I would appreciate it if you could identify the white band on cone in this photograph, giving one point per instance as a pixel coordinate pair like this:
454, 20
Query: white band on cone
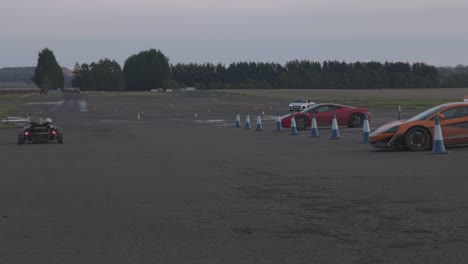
437, 133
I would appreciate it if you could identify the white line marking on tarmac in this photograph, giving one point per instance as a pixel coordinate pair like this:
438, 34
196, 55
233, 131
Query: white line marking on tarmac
210, 121
114, 120
43, 103
14, 119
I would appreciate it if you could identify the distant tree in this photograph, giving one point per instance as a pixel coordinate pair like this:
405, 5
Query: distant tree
48, 73
453, 76
77, 76
146, 70
105, 75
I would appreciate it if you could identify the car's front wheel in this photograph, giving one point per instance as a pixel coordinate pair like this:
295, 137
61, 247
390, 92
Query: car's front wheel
356, 120
302, 122
417, 139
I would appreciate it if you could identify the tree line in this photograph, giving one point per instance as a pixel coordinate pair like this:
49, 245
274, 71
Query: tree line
151, 69
308, 75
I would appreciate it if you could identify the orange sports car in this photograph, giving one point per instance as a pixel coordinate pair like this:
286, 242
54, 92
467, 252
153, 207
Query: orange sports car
417, 132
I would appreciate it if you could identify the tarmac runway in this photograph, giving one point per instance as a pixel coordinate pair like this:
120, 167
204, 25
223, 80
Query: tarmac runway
171, 188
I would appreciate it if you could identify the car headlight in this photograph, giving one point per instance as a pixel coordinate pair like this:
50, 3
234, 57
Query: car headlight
392, 130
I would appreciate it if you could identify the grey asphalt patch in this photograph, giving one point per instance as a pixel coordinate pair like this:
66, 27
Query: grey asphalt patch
114, 121
175, 191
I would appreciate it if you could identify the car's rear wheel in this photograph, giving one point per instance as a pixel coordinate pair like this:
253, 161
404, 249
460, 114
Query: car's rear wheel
356, 120
21, 139
417, 139
302, 122
59, 138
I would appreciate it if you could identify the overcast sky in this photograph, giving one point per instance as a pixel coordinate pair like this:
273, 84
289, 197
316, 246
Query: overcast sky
226, 31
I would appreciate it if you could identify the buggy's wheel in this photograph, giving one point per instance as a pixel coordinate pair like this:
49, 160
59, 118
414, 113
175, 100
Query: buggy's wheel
59, 138
21, 139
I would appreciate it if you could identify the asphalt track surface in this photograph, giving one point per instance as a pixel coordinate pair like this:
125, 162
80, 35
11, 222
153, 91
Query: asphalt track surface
174, 189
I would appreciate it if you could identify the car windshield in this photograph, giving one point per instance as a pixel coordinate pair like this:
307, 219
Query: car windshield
312, 108
424, 115
299, 101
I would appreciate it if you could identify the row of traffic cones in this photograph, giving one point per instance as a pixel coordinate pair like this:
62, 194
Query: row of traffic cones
437, 146
314, 129
247, 122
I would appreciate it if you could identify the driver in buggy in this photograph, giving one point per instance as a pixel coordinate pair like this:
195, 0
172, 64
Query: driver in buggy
48, 122
41, 122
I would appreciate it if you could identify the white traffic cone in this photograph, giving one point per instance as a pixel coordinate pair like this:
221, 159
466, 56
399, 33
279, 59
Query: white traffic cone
195, 115
29, 120
314, 130
399, 112
365, 130
138, 116
279, 128
237, 120
293, 126
247, 121
335, 133
438, 144
259, 123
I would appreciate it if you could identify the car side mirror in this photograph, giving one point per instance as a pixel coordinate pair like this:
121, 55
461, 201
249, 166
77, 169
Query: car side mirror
441, 116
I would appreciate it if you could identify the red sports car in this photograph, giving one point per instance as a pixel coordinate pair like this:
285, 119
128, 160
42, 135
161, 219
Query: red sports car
345, 116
